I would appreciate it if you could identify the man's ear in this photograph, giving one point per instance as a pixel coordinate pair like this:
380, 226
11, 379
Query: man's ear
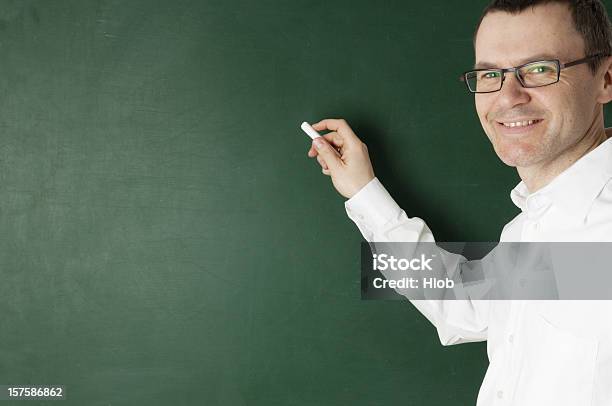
605, 93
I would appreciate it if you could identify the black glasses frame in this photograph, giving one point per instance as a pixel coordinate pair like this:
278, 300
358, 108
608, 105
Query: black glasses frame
515, 69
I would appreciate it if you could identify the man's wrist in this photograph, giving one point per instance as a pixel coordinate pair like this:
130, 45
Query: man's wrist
374, 203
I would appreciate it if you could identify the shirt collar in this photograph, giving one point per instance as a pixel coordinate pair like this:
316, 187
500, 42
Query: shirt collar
574, 189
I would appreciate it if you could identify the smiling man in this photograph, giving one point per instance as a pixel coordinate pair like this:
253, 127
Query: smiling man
564, 120
543, 72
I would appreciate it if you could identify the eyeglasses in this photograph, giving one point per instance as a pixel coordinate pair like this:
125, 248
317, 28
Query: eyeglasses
531, 74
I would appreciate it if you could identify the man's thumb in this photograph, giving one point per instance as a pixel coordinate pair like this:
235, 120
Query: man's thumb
329, 155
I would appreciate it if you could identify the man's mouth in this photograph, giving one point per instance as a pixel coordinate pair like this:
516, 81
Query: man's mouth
519, 126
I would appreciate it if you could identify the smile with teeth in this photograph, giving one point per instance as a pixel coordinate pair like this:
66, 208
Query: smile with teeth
520, 123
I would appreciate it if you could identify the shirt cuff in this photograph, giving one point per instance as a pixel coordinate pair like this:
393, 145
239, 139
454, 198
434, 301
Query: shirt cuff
372, 203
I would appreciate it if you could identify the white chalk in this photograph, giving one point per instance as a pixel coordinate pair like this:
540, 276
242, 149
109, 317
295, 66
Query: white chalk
312, 133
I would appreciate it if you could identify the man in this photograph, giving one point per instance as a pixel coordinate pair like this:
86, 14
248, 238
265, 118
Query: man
546, 119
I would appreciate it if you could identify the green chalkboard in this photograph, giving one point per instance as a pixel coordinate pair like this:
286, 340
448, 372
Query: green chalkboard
166, 241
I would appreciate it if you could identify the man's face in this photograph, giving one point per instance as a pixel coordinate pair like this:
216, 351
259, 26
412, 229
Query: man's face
562, 112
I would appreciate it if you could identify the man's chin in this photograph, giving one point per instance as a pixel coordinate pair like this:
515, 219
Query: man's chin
518, 150
516, 155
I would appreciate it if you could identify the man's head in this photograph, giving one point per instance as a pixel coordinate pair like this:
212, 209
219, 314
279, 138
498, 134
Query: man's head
564, 114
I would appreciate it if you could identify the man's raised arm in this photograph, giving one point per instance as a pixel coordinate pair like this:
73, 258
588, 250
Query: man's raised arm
380, 219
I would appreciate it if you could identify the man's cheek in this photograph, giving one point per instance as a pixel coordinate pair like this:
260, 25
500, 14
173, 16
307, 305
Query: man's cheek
482, 111
486, 126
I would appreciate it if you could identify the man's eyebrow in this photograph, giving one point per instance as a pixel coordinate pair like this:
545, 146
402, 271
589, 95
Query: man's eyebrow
533, 58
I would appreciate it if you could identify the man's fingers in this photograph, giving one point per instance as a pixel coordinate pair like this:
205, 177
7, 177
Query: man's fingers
322, 162
335, 139
332, 124
339, 126
327, 153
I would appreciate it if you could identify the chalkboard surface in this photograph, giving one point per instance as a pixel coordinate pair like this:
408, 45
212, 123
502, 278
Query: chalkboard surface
166, 241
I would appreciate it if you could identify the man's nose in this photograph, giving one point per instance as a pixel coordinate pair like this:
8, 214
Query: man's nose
512, 92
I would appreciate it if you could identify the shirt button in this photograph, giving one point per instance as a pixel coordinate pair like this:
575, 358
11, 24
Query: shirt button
536, 225
360, 217
511, 338
500, 394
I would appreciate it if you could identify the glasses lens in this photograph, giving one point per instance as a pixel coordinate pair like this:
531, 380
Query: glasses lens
539, 73
484, 80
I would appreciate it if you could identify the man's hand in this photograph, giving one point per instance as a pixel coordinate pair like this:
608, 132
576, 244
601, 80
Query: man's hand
350, 171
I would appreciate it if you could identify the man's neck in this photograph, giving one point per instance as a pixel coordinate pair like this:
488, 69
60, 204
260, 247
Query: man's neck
538, 176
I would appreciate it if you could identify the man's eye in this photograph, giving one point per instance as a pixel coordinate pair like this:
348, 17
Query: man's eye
539, 69
490, 75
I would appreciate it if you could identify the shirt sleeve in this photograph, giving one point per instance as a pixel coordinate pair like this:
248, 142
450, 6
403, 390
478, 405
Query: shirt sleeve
380, 219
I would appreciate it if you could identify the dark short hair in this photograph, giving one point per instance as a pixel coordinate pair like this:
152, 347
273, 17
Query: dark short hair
590, 20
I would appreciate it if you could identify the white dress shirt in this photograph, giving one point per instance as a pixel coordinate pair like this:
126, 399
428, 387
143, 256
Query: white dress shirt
541, 353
